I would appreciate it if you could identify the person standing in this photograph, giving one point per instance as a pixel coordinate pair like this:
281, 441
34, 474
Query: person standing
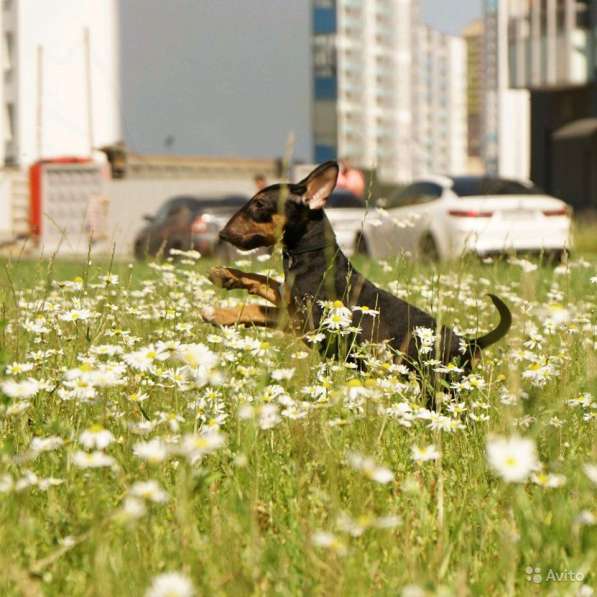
351, 179
260, 182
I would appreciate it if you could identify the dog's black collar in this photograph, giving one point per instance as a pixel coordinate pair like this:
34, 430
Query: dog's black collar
289, 255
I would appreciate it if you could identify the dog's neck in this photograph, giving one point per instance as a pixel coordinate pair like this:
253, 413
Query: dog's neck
313, 238
311, 232
314, 264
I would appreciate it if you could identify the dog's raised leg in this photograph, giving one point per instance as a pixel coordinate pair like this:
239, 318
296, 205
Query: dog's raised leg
256, 284
249, 314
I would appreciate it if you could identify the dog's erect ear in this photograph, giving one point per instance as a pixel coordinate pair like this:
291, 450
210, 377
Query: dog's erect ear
320, 184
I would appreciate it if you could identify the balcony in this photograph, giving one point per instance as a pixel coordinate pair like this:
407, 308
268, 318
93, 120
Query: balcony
552, 49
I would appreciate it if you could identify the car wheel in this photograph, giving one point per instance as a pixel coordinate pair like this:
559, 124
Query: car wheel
556, 257
428, 249
175, 245
361, 247
139, 251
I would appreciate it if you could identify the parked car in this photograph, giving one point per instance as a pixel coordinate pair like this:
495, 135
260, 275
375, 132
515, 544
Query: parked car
442, 218
187, 222
346, 213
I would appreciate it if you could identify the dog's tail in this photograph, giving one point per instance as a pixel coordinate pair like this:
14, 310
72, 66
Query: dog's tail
496, 334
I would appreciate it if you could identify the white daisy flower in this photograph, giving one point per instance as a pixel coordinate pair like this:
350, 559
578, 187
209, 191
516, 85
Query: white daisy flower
591, 472
133, 508
425, 454
171, 584
153, 451
45, 444
369, 468
548, 480
512, 458
20, 389
95, 459
194, 446
280, 374
330, 541
96, 437
149, 490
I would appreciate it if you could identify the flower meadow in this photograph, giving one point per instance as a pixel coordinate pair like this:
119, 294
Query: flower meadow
144, 451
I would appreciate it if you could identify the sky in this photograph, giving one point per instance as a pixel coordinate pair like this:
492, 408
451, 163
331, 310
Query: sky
450, 16
227, 77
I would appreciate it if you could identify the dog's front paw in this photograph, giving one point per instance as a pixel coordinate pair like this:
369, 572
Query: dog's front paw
216, 316
223, 277
208, 314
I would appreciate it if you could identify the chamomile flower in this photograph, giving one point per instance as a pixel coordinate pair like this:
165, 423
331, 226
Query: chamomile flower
366, 311
20, 389
145, 359
425, 454
76, 315
171, 584
45, 444
329, 541
548, 480
280, 374
150, 491
512, 458
133, 508
369, 468
96, 459
153, 451
18, 368
337, 318
96, 437
591, 472
196, 445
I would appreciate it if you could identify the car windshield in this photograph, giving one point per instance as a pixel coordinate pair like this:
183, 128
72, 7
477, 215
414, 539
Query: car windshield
228, 202
199, 204
470, 186
345, 199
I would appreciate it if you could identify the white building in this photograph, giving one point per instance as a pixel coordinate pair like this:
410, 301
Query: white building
551, 43
439, 104
389, 93
363, 84
60, 87
506, 112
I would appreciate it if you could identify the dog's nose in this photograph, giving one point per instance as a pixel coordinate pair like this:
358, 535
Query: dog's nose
224, 235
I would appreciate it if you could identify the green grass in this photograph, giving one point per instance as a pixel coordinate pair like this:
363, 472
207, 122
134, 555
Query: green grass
242, 519
585, 237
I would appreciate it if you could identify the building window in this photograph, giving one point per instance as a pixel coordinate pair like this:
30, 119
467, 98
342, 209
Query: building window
8, 50
583, 17
9, 122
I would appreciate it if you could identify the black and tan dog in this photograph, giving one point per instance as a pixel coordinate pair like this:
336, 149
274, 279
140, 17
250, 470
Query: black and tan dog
315, 270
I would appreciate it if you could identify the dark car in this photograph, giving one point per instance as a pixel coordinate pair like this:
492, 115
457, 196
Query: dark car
186, 222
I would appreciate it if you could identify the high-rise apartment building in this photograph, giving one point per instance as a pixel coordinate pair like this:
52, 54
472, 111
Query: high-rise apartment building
373, 65
59, 92
505, 116
362, 57
439, 104
475, 89
553, 53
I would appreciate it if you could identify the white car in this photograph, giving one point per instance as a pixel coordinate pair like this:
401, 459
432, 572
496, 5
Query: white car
446, 217
347, 214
